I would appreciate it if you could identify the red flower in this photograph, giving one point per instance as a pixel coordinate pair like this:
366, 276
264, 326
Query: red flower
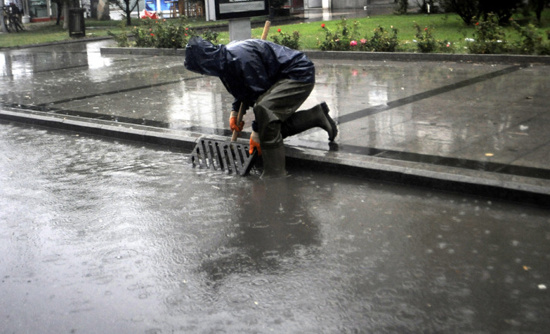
477, 23
152, 34
322, 25
425, 29
353, 43
279, 30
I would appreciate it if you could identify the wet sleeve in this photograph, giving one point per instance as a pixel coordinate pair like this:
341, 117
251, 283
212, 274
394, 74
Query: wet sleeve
237, 105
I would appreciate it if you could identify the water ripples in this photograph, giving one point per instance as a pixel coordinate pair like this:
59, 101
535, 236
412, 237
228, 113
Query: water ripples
124, 228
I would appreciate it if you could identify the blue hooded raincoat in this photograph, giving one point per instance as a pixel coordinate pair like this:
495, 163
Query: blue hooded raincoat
248, 68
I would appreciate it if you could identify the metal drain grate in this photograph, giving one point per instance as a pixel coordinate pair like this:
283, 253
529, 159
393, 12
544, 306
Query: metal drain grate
230, 157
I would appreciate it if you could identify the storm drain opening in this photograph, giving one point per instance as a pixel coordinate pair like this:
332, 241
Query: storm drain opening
229, 157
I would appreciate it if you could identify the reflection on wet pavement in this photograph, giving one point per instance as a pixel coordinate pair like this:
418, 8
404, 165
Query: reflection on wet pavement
475, 116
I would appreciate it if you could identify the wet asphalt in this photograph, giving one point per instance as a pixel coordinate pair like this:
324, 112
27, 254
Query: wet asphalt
111, 236
102, 234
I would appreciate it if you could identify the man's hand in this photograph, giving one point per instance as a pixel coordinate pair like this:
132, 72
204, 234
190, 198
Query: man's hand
233, 122
255, 143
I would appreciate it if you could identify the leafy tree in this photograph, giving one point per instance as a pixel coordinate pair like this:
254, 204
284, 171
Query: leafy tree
402, 6
503, 9
127, 6
2, 23
538, 7
467, 9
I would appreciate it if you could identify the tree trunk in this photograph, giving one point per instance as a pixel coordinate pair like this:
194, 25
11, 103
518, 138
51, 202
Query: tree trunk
128, 18
66, 4
3, 27
539, 8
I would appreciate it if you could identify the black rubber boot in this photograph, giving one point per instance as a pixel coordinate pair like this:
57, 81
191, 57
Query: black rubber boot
307, 119
274, 161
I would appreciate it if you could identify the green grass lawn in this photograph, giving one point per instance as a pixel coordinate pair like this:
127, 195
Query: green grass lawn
444, 26
47, 32
449, 27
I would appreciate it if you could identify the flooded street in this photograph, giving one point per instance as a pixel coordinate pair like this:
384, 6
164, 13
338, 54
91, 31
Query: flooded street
105, 236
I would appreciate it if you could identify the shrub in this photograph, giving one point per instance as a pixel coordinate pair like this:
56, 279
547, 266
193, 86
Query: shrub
489, 37
346, 39
161, 34
339, 40
211, 36
426, 43
383, 40
121, 38
171, 35
143, 37
424, 39
531, 42
291, 41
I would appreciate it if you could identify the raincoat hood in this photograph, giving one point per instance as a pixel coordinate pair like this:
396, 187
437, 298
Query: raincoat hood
248, 68
204, 57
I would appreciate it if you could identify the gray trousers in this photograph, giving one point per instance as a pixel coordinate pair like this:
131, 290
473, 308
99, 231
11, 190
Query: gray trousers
275, 106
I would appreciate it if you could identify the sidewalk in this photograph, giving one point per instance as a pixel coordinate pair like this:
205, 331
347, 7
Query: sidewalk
454, 123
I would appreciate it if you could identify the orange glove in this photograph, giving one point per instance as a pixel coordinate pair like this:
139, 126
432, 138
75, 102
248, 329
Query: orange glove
233, 122
255, 143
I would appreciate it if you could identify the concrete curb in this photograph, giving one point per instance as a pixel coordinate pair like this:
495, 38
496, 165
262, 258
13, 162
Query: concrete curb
435, 57
512, 187
142, 51
70, 41
181, 139
367, 56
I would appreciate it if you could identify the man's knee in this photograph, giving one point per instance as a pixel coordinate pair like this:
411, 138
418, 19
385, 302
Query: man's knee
269, 125
270, 135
